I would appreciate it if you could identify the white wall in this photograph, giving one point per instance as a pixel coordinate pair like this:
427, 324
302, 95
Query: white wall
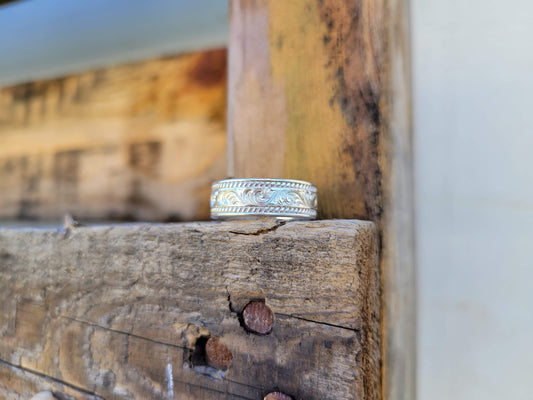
473, 78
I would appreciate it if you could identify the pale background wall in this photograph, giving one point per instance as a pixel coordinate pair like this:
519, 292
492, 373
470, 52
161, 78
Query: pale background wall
473, 79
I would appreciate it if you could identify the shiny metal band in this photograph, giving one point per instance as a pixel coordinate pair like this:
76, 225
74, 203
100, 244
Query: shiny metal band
248, 198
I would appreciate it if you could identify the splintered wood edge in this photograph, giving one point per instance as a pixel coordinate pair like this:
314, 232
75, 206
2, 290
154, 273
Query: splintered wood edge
356, 240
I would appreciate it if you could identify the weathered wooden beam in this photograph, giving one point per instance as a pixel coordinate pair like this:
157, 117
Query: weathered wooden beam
128, 311
140, 141
320, 90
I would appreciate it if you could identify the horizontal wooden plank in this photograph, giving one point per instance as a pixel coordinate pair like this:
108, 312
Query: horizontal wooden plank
141, 141
124, 311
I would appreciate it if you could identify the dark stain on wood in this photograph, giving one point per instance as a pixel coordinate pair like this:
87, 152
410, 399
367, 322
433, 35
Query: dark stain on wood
210, 69
136, 198
144, 157
28, 172
31, 174
358, 94
197, 356
66, 166
355, 56
66, 174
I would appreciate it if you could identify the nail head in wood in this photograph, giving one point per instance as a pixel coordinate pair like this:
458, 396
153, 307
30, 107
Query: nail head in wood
217, 355
258, 318
277, 396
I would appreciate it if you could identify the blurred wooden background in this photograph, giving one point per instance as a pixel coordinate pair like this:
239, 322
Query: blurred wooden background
140, 141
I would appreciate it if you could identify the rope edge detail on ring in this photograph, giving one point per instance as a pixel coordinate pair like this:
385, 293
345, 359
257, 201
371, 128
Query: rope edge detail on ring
238, 183
263, 210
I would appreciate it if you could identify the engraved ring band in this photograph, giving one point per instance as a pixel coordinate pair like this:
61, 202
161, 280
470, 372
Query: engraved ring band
284, 199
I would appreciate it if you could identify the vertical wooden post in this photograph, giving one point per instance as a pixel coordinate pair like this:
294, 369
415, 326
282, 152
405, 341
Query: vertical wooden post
320, 90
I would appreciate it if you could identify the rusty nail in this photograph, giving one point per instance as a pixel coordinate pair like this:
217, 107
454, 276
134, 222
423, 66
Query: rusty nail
258, 318
218, 356
277, 396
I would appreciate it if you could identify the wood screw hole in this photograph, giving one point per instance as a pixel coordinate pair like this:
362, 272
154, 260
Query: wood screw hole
209, 352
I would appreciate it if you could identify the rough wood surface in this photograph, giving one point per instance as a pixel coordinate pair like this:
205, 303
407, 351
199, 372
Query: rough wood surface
20, 384
126, 311
320, 90
139, 141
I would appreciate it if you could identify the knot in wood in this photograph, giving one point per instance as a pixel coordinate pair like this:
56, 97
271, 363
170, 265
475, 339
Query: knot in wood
277, 396
218, 356
258, 318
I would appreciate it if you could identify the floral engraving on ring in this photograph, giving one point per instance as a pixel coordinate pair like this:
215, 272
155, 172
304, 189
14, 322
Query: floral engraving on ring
261, 197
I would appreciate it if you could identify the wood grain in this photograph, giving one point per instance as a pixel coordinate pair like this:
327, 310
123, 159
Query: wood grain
20, 384
140, 141
320, 91
125, 312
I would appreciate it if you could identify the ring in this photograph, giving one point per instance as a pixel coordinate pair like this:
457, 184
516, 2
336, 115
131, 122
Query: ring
285, 199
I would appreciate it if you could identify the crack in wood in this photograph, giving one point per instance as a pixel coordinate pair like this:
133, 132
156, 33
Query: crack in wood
318, 322
91, 324
260, 231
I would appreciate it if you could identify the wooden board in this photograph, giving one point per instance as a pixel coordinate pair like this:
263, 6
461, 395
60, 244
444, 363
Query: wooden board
132, 142
20, 384
320, 91
122, 312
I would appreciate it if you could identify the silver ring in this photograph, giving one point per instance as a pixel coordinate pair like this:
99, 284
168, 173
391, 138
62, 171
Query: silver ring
284, 199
